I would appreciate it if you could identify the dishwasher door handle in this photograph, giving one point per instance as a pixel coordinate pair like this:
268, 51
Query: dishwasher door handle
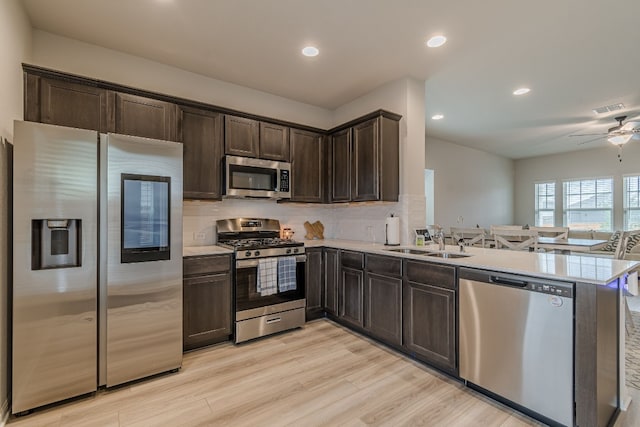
509, 282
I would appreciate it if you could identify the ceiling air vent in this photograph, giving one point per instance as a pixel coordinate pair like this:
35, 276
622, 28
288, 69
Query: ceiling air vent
608, 108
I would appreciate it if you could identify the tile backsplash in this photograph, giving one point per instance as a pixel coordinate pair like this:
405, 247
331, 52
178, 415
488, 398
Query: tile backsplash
354, 221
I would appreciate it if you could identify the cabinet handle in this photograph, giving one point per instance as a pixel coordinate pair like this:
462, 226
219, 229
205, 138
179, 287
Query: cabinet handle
274, 320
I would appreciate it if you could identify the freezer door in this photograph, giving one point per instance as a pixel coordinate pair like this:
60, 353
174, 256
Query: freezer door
144, 291
54, 306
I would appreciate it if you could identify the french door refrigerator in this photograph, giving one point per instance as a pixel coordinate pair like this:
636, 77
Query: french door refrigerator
97, 287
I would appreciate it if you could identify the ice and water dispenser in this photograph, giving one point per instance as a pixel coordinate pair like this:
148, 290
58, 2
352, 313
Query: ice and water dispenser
55, 243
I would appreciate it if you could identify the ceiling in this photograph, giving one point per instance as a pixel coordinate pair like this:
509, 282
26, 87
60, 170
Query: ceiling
575, 55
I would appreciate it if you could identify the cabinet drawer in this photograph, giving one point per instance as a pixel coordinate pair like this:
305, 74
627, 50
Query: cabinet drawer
352, 259
384, 265
431, 274
198, 265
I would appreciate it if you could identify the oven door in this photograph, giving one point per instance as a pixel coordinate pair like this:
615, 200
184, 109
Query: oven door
247, 295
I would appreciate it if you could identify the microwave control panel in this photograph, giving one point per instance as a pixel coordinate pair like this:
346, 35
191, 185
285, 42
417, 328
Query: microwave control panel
284, 181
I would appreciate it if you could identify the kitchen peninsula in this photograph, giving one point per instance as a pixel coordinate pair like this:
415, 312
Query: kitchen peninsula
411, 301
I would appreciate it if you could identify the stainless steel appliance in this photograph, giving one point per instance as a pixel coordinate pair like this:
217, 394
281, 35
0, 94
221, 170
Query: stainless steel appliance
97, 286
255, 242
257, 178
516, 340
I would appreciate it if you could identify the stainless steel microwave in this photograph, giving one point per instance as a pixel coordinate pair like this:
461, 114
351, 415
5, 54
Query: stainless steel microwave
248, 177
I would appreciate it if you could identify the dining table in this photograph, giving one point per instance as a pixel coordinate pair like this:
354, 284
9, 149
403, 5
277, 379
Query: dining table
569, 245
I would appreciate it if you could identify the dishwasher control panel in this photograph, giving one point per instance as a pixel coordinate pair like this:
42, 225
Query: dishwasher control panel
561, 291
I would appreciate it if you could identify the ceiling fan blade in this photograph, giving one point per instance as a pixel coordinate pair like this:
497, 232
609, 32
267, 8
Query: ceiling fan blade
630, 126
588, 134
591, 140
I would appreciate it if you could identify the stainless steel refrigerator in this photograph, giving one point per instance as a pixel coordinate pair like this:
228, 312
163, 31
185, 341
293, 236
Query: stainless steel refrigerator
97, 286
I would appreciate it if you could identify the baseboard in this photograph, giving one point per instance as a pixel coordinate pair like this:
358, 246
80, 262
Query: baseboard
4, 413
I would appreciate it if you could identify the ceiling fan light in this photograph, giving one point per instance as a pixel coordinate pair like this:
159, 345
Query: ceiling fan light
620, 139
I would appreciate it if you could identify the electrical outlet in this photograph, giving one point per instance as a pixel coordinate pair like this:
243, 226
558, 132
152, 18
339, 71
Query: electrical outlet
199, 235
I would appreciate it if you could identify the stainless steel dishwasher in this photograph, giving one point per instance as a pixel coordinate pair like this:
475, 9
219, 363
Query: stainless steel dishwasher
516, 340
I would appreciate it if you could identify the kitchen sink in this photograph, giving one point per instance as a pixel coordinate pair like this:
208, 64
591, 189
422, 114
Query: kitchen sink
409, 251
428, 253
446, 255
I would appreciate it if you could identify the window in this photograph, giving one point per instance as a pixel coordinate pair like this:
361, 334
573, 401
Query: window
588, 204
632, 202
545, 204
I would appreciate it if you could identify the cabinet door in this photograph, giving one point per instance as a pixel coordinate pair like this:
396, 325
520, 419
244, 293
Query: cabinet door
365, 184
73, 105
241, 136
429, 324
140, 116
331, 280
341, 166
207, 310
313, 281
307, 160
351, 295
201, 135
383, 307
274, 142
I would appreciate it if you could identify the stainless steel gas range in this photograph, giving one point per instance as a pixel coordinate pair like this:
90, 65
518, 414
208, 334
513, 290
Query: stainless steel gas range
269, 277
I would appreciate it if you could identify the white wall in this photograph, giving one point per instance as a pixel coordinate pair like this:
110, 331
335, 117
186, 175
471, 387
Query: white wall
470, 183
72, 56
15, 45
405, 97
597, 162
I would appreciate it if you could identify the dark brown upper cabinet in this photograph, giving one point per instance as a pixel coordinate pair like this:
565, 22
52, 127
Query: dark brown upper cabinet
365, 160
62, 103
340, 159
201, 134
241, 136
141, 116
307, 166
274, 142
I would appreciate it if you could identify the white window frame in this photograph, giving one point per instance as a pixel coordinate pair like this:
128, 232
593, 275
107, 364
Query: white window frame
537, 202
625, 204
565, 197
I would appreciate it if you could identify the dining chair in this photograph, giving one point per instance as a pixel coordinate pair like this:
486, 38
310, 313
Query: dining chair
556, 232
517, 240
470, 236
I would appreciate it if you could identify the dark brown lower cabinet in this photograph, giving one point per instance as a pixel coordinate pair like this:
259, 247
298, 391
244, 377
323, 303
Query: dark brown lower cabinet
331, 280
314, 283
206, 301
350, 296
383, 307
429, 324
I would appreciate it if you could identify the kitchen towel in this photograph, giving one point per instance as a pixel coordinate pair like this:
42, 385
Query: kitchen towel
267, 283
393, 230
287, 273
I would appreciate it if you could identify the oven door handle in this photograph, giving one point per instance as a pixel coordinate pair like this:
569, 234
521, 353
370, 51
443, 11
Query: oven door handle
247, 263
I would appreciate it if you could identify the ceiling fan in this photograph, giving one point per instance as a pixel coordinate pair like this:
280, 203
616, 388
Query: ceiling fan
617, 135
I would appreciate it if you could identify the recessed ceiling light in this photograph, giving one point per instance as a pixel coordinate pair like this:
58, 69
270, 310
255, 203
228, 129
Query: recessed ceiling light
437, 117
521, 91
310, 51
436, 41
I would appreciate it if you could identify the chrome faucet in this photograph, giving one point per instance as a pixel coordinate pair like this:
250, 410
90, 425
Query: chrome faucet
438, 236
462, 244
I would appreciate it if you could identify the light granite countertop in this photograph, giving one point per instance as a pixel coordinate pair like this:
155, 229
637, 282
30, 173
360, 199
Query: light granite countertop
575, 268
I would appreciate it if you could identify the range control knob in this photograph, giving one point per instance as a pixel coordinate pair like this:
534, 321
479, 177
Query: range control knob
295, 251
247, 254
288, 251
257, 253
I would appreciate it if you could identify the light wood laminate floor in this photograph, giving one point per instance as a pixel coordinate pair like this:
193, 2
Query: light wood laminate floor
321, 375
